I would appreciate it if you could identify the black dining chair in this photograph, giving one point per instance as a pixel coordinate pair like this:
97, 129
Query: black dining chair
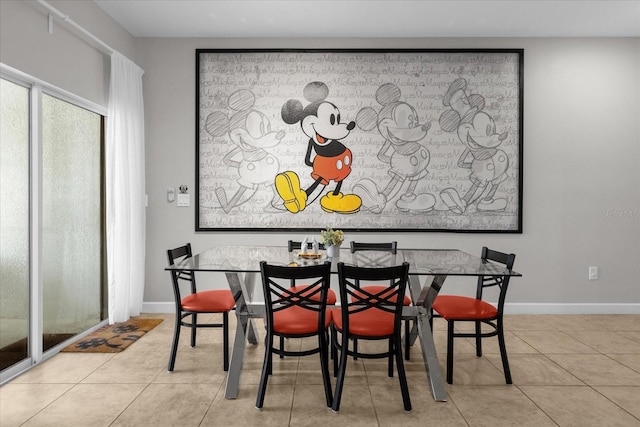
458, 308
194, 303
296, 314
369, 314
296, 287
391, 247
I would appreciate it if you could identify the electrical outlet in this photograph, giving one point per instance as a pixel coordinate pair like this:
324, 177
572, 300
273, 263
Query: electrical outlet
593, 273
171, 194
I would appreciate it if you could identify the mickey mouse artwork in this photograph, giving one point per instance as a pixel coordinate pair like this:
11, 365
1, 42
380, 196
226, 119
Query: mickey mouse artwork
322, 123
404, 152
361, 140
250, 131
488, 164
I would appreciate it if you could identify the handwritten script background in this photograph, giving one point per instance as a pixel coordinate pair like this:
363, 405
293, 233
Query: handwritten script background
353, 78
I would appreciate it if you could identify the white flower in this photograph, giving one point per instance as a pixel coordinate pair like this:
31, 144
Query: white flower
332, 237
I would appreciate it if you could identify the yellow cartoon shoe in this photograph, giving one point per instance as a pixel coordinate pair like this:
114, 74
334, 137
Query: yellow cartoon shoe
288, 187
341, 203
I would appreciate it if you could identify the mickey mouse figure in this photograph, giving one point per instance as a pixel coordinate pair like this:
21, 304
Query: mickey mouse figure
403, 150
320, 121
251, 132
487, 164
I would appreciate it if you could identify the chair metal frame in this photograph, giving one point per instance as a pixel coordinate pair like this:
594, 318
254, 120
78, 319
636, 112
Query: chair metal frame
359, 300
181, 253
292, 246
393, 248
279, 297
495, 322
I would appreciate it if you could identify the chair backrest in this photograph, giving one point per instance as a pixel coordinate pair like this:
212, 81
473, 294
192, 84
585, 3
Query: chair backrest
293, 245
391, 247
489, 255
176, 255
382, 247
388, 296
279, 297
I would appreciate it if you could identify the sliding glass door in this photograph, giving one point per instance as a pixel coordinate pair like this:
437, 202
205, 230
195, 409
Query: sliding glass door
53, 265
71, 219
14, 223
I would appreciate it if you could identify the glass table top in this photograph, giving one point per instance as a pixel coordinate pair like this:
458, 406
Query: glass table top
451, 262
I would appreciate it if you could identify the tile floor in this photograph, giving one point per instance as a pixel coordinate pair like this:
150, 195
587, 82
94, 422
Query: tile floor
568, 370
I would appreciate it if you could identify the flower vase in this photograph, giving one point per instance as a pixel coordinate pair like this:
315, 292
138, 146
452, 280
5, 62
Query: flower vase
333, 251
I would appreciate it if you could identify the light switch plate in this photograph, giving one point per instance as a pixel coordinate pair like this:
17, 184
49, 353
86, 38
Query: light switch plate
184, 200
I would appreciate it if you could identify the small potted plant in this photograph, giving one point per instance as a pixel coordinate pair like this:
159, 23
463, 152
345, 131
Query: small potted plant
332, 239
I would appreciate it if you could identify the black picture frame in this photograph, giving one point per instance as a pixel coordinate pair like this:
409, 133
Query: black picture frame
432, 140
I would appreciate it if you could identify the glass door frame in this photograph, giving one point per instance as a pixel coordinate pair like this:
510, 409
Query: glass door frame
37, 88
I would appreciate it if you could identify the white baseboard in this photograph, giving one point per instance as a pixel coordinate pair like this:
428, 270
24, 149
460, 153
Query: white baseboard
569, 308
158, 307
510, 308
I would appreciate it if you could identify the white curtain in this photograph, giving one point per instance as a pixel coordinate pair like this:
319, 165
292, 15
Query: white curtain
126, 216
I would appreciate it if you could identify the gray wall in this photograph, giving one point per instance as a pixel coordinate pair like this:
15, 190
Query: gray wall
581, 168
581, 152
63, 58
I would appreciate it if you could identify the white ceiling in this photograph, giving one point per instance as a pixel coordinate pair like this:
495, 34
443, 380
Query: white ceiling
376, 18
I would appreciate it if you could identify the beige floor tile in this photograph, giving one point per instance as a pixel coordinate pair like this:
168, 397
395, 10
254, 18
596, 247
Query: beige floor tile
242, 411
390, 411
468, 369
572, 322
254, 353
310, 407
550, 342
284, 371
607, 341
439, 324
89, 404
158, 339
357, 371
513, 343
535, 369
169, 405
193, 368
629, 360
203, 353
497, 406
67, 368
129, 368
596, 369
579, 406
356, 406
19, 402
632, 335
460, 345
567, 365
377, 371
527, 322
628, 398
309, 371
616, 322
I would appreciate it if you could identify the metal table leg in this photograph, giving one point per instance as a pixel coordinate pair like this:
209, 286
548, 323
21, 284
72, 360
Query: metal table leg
244, 330
424, 300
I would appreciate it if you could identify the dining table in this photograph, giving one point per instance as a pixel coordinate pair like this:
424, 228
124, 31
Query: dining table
428, 270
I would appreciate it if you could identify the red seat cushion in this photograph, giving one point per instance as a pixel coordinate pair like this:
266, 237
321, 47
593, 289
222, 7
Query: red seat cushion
296, 320
216, 301
331, 296
369, 323
379, 290
455, 307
